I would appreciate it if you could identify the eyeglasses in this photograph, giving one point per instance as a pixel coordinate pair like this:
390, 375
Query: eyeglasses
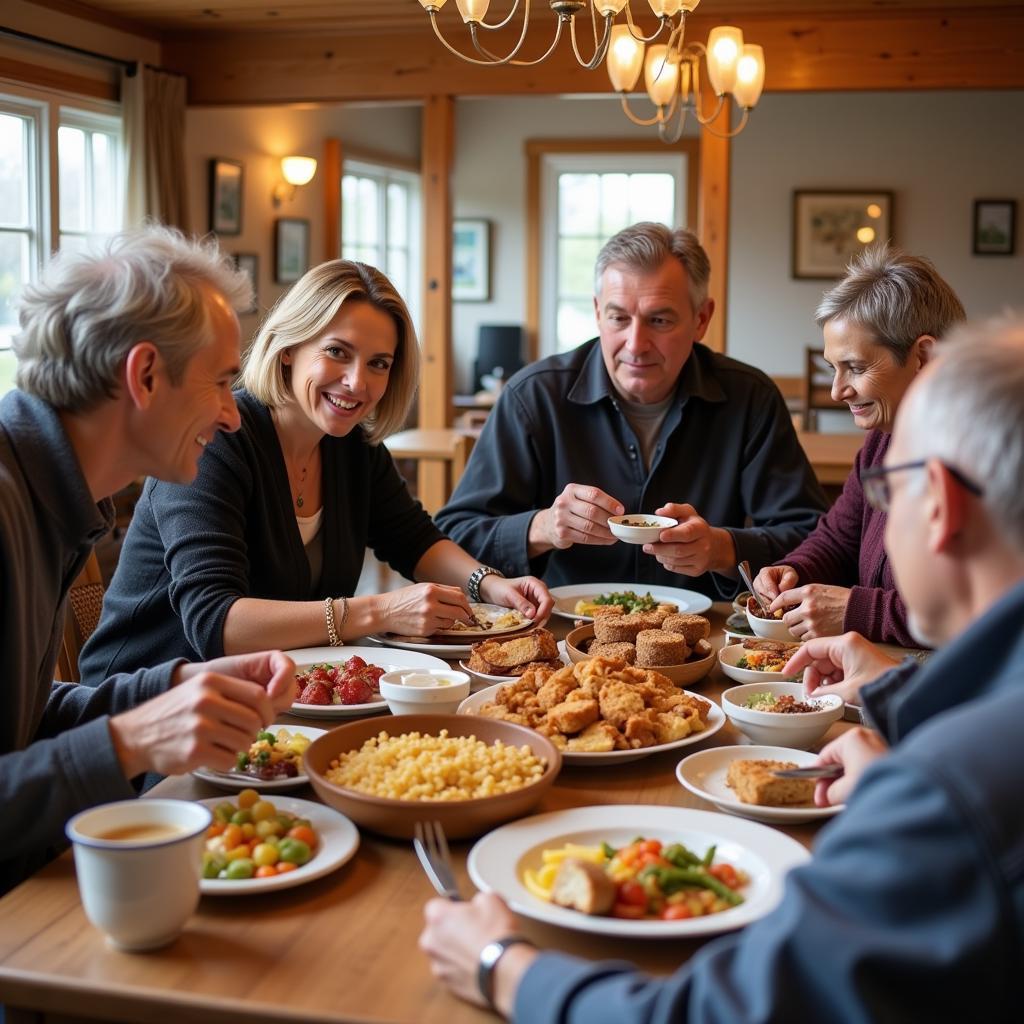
875, 481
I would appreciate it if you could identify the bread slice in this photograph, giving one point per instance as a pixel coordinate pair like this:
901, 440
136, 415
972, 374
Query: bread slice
754, 782
537, 645
581, 885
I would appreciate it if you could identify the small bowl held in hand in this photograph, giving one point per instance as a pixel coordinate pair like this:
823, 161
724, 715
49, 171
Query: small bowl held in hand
640, 529
769, 629
418, 691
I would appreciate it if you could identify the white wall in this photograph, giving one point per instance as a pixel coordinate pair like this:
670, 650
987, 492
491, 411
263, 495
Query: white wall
259, 137
936, 151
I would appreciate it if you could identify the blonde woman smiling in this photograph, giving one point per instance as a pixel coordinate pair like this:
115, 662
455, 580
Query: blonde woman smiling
266, 547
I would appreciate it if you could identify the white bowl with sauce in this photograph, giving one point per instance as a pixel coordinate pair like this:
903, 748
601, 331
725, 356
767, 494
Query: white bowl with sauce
800, 729
640, 529
418, 691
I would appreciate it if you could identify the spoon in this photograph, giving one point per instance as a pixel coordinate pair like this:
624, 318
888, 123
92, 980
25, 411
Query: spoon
744, 570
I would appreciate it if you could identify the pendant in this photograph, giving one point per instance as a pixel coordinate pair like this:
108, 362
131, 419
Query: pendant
298, 501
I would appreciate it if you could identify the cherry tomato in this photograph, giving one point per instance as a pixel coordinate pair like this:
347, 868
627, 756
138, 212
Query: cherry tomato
628, 910
650, 846
676, 912
631, 893
284, 866
725, 873
307, 835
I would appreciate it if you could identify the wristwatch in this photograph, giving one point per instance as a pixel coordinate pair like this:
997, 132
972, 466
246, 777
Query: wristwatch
476, 578
489, 957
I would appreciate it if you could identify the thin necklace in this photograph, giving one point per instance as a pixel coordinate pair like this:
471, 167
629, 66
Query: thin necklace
301, 485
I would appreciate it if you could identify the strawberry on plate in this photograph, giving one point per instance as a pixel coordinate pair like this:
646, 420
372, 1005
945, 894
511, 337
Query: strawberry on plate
315, 693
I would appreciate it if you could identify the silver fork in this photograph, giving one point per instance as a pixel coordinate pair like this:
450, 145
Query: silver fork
431, 847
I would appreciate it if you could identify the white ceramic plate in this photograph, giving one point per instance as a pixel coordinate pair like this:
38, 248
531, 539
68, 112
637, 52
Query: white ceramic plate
703, 774
688, 601
339, 840
489, 612
422, 646
716, 719
497, 862
239, 780
727, 658
387, 658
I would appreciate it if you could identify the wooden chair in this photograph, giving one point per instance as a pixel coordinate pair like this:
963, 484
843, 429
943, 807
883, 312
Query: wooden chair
433, 448
817, 391
85, 601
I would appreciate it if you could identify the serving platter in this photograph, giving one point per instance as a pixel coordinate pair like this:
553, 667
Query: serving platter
233, 780
387, 658
704, 774
497, 861
689, 602
716, 719
339, 840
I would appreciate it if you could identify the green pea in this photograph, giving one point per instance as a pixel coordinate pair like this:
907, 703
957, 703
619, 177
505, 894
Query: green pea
212, 865
223, 812
241, 868
241, 817
294, 850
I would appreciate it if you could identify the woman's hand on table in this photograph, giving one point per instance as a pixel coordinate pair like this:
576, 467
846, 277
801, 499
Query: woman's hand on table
692, 547
772, 580
526, 594
455, 934
212, 710
813, 610
423, 608
856, 750
839, 665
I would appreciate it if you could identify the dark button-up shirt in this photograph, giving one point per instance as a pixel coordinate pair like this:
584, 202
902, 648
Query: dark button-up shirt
727, 447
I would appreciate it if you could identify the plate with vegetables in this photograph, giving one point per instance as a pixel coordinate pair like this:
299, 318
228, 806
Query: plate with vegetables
580, 600
258, 845
637, 871
273, 761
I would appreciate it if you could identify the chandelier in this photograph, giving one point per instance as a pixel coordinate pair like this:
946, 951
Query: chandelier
671, 69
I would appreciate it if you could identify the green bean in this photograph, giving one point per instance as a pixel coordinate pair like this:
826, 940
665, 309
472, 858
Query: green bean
679, 855
673, 879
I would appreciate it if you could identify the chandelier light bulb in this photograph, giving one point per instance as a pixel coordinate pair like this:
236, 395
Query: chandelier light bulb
605, 7
665, 8
472, 10
625, 59
688, 5
749, 76
435, 4
725, 47
661, 76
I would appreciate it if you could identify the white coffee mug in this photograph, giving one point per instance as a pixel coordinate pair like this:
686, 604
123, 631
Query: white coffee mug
138, 864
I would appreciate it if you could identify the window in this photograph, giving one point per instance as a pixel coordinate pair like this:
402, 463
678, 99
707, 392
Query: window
61, 183
380, 224
587, 198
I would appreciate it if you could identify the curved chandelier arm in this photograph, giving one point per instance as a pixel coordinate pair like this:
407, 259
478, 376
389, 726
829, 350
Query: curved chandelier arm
602, 47
643, 122
494, 60
673, 135
507, 18
733, 132
472, 60
639, 37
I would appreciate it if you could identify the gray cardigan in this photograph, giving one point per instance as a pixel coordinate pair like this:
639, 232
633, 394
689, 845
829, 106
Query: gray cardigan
193, 550
56, 754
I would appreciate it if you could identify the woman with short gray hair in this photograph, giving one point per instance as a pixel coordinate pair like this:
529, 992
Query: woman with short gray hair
880, 323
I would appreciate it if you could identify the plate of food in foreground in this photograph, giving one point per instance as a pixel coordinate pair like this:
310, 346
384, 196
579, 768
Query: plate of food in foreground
293, 842
740, 865
581, 600
600, 711
755, 660
741, 780
272, 762
498, 661
341, 682
491, 620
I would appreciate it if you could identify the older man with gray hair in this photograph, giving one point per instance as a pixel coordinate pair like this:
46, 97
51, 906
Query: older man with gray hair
912, 908
126, 356
645, 419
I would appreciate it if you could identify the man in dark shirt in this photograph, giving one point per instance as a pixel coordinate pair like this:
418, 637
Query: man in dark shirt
645, 419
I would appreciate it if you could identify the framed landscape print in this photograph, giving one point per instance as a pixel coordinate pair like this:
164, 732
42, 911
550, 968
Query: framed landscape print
226, 197
830, 227
995, 227
291, 249
471, 261
249, 263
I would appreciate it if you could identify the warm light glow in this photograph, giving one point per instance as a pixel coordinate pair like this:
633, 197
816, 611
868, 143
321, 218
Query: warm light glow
298, 170
661, 76
605, 7
690, 5
436, 4
665, 8
749, 76
725, 46
686, 79
874, 211
472, 10
865, 235
625, 59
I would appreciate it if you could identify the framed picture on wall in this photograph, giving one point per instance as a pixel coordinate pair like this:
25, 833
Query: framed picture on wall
830, 227
226, 196
291, 249
471, 260
249, 264
995, 227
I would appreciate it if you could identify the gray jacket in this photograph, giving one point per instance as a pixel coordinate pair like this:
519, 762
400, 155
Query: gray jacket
56, 754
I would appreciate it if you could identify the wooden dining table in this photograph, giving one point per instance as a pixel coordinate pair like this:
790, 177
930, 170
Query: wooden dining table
340, 948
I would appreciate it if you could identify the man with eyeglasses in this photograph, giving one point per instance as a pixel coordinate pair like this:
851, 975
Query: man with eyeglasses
912, 908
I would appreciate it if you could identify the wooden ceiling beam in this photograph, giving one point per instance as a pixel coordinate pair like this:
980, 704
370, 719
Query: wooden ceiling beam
893, 50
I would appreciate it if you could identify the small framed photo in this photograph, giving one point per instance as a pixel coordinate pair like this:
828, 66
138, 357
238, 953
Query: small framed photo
291, 249
995, 227
830, 227
249, 264
471, 260
226, 197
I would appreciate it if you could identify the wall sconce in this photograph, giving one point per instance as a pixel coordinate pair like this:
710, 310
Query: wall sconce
296, 171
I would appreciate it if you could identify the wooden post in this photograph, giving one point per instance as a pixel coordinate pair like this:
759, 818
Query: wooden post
713, 217
332, 198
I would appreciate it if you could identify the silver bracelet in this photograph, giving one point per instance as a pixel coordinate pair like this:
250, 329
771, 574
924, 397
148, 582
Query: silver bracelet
476, 577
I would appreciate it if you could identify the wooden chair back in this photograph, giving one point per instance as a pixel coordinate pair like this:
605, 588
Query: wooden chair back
440, 454
85, 602
817, 391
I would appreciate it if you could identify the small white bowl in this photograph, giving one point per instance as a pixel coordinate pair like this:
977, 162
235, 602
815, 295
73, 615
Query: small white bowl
730, 654
770, 629
620, 527
419, 691
800, 731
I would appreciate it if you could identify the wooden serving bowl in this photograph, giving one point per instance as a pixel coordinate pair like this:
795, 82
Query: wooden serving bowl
686, 674
459, 818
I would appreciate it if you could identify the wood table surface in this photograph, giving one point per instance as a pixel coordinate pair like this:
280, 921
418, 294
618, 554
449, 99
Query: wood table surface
341, 948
